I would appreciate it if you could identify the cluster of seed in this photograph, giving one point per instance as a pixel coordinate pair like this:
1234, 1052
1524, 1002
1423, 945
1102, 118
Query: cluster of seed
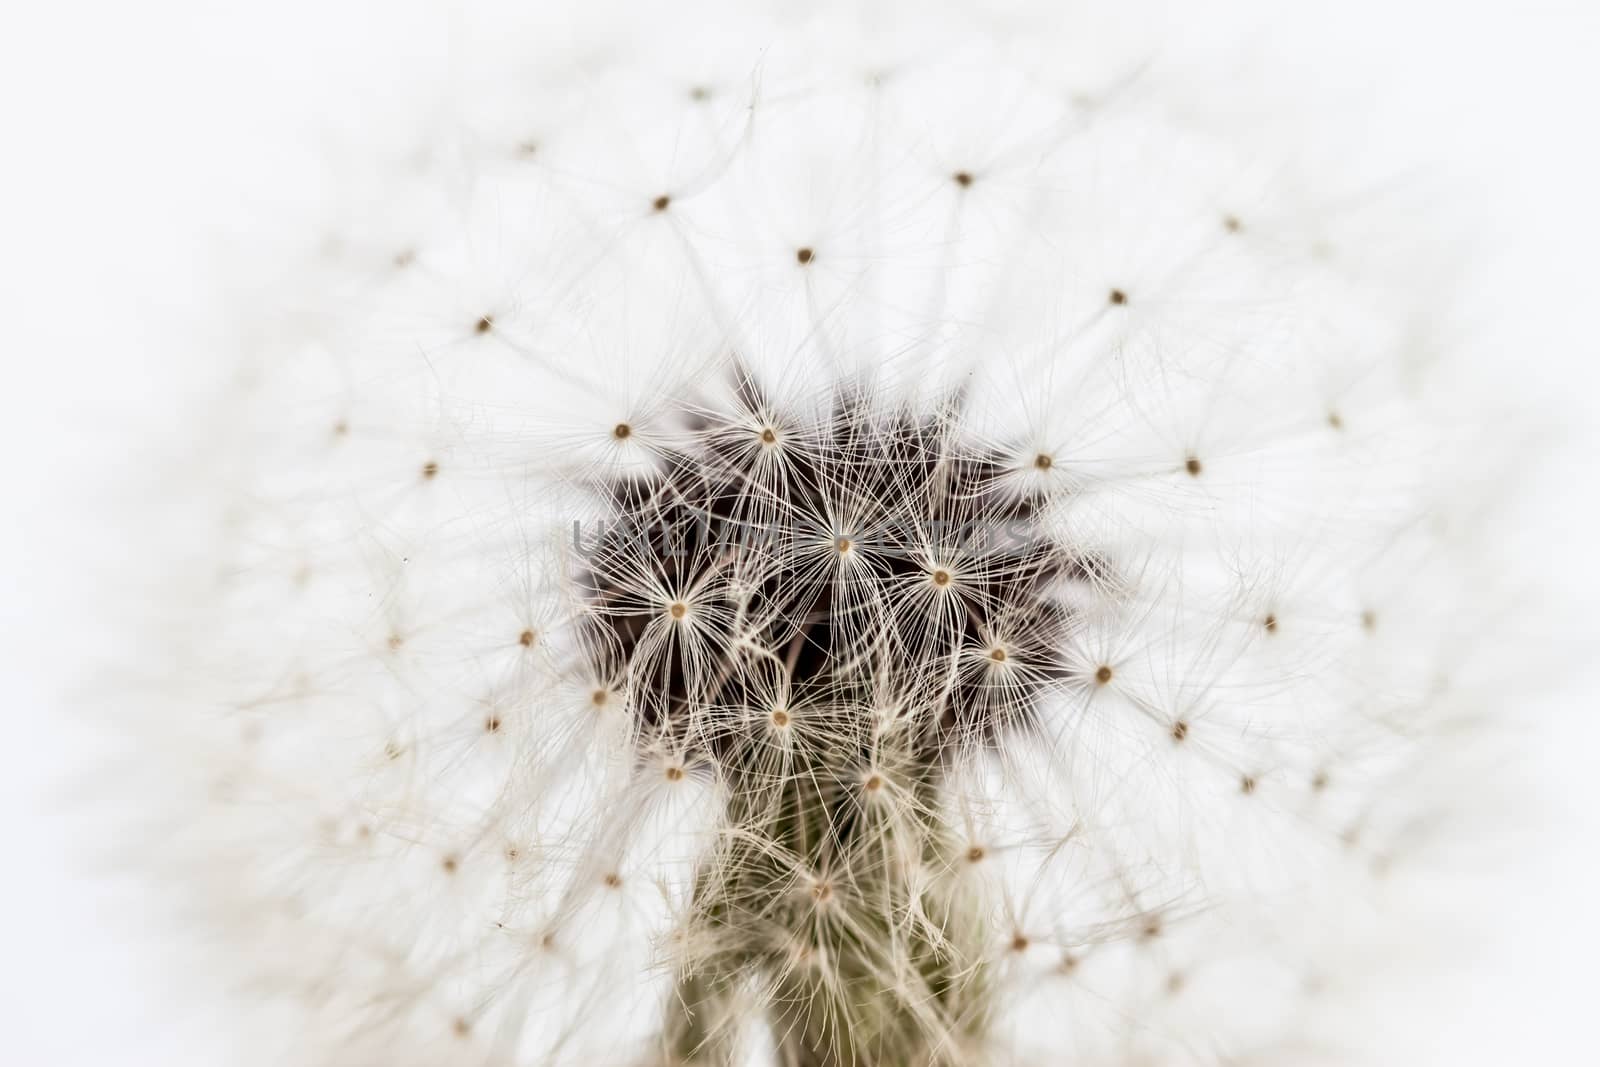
1021, 652
874, 570
821, 613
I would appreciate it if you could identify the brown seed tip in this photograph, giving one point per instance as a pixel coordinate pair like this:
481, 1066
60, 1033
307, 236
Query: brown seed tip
674, 774
1271, 623
874, 783
525, 639
1335, 420
1247, 785
998, 655
461, 1027
622, 431
1019, 942
1369, 620
450, 864
1232, 224
842, 545
804, 256
1192, 465
485, 324
492, 724
822, 892
1180, 730
780, 718
613, 880
678, 610
1103, 675
1118, 296
599, 697
941, 578
769, 436
975, 854
963, 178
1044, 461
660, 203
430, 468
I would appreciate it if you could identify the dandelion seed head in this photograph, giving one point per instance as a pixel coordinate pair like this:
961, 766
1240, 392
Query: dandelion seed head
945, 534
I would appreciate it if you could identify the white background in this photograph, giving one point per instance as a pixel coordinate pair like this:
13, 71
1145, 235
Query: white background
130, 127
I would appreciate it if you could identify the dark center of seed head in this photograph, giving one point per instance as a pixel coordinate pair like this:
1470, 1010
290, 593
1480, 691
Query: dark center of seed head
739, 527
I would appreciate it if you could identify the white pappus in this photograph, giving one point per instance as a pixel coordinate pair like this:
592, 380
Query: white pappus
892, 537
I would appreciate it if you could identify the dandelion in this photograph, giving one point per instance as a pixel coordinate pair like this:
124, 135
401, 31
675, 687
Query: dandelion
825, 549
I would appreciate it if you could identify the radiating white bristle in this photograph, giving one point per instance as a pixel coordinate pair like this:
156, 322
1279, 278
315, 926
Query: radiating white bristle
415, 809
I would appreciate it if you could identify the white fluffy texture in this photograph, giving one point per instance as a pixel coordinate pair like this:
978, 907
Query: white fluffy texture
416, 839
